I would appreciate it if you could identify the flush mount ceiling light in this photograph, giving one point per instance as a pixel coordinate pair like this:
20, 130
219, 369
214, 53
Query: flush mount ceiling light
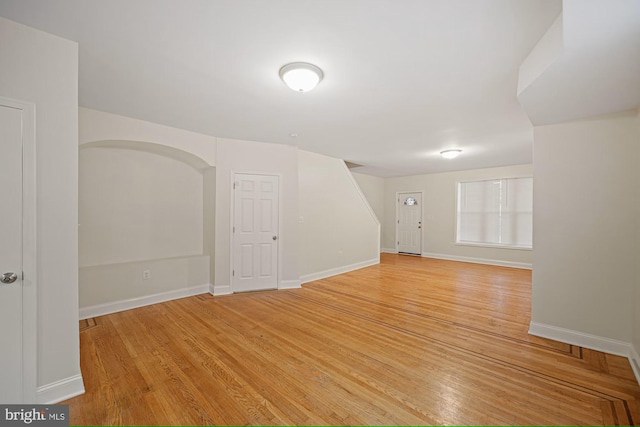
450, 154
301, 76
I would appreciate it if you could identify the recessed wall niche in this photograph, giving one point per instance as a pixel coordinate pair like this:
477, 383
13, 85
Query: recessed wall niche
145, 207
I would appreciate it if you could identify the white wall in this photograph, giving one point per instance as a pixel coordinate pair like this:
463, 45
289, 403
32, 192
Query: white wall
138, 211
136, 206
235, 156
113, 287
373, 189
585, 219
100, 126
439, 215
103, 131
338, 230
147, 202
43, 69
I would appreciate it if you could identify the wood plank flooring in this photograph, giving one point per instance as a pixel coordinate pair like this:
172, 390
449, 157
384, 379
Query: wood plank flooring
410, 341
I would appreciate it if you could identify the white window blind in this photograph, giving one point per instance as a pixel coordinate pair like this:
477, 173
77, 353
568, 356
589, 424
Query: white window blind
496, 212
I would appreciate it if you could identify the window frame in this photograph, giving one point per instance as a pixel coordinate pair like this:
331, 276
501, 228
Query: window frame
456, 230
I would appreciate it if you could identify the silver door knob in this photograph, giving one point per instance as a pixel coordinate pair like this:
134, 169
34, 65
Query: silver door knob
275, 237
8, 278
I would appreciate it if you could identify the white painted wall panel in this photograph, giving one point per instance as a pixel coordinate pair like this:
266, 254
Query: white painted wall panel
337, 229
373, 189
100, 126
40, 68
137, 206
585, 217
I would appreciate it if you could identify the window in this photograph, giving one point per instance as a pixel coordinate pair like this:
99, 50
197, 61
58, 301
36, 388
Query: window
496, 212
410, 201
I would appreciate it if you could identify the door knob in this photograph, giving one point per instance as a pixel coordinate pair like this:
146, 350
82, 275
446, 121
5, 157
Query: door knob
275, 237
8, 278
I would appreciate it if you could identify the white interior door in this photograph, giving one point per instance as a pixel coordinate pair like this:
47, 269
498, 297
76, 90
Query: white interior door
11, 357
255, 232
409, 223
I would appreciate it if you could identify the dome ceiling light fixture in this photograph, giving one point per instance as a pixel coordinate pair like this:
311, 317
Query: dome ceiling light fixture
301, 76
451, 154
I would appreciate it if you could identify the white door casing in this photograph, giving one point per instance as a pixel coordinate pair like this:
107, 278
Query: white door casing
255, 232
409, 222
11, 255
17, 253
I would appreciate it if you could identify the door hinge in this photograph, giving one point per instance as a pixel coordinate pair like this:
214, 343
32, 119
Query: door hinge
233, 273
234, 228
234, 185
398, 242
22, 276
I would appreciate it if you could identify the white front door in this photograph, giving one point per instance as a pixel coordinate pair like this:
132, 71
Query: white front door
409, 223
255, 232
11, 369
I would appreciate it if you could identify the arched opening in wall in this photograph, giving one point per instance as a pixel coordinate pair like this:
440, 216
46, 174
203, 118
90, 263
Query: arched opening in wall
146, 225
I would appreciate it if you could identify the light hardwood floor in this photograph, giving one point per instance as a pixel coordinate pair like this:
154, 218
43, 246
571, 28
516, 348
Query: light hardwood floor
410, 341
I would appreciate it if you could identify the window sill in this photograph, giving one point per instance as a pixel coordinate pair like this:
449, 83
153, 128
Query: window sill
489, 245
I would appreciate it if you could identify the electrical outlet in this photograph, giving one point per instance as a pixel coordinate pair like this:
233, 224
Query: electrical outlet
146, 274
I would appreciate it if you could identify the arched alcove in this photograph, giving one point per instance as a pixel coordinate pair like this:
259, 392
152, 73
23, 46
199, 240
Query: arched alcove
186, 157
146, 223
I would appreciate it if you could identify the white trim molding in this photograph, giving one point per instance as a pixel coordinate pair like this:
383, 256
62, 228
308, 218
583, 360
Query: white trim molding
594, 342
29, 248
128, 304
60, 390
501, 263
217, 290
338, 270
498, 262
289, 284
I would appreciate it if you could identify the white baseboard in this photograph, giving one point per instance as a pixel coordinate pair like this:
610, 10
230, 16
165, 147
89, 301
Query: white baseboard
498, 262
220, 290
114, 307
594, 342
338, 270
388, 251
289, 284
60, 390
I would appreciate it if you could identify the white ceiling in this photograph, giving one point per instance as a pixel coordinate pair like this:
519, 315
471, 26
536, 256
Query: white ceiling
597, 65
404, 79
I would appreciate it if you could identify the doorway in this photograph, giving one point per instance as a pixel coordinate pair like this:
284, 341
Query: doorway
17, 253
409, 222
255, 232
